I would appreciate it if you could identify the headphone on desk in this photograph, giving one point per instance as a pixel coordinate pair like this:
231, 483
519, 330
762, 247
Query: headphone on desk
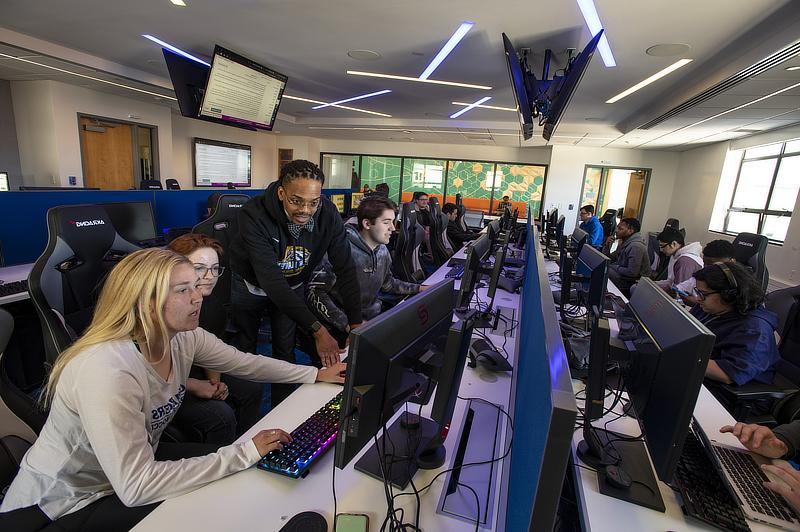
728, 294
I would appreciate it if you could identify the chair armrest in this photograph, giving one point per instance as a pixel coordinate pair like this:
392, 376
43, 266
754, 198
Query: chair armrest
753, 391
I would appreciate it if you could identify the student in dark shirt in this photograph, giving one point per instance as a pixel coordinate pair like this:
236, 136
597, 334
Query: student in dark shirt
456, 235
283, 236
421, 201
730, 304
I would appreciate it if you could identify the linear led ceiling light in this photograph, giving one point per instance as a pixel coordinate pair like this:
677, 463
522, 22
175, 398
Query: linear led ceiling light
354, 98
593, 22
175, 49
658, 75
299, 99
470, 107
446, 49
495, 107
107, 82
407, 78
179, 3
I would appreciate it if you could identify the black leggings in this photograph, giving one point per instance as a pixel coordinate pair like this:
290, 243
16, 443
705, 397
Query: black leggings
105, 515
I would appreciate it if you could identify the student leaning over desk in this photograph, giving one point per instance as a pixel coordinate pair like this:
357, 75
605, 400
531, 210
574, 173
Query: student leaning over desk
98, 464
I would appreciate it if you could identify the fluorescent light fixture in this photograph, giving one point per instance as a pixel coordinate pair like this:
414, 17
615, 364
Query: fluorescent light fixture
175, 49
470, 107
446, 49
406, 78
593, 22
658, 75
792, 68
495, 107
107, 82
354, 98
179, 3
406, 130
299, 99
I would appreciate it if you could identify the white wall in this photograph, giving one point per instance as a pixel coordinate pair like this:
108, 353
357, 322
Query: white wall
693, 198
565, 178
36, 138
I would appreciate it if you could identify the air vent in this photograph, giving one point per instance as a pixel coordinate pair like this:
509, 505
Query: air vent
728, 83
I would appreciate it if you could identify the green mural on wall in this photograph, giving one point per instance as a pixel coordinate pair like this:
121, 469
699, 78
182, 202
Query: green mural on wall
522, 183
469, 179
375, 170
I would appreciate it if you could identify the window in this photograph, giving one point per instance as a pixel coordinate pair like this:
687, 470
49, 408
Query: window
523, 183
763, 194
469, 178
376, 170
341, 171
423, 175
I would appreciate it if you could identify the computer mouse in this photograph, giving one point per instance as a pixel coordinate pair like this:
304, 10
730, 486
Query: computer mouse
617, 477
306, 522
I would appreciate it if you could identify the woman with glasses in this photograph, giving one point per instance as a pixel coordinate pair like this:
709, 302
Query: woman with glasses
216, 409
283, 236
730, 304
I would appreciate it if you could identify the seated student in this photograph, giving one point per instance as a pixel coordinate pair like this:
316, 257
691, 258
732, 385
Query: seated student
382, 189
684, 259
715, 251
501, 206
456, 235
421, 205
373, 265
629, 261
730, 305
210, 410
98, 463
592, 226
781, 442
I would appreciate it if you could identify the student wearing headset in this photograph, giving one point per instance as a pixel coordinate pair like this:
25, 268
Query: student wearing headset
730, 304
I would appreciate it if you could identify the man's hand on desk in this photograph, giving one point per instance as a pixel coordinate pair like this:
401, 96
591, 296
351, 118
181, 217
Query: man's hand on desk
758, 439
269, 440
334, 373
791, 477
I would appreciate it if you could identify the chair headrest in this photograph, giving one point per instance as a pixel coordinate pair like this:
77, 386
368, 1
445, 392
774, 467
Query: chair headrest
748, 245
87, 229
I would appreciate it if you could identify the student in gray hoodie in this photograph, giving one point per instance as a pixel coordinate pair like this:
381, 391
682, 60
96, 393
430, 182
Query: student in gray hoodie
375, 217
629, 261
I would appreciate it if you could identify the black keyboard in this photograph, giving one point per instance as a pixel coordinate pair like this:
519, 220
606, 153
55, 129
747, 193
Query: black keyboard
309, 441
749, 478
14, 287
705, 496
456, 272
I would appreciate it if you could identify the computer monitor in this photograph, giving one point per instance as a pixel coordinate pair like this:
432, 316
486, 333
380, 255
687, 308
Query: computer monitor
592, 266
3, 181
492, 230
665, 351
476, 254
473, 219
338, 201
403, 353
578, 239
487, 318
217, 164
133, 220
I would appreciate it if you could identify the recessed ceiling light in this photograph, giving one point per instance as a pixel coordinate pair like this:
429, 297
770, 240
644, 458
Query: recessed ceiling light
364, 55
107, 82
354, 98
792, 68
658, 75
175, 49
446, 49
592, 19
470, 106
298, 98
407, 78
495, 107
668, 50
180, 3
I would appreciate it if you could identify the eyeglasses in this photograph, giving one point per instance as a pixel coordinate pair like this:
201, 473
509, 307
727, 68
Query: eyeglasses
201, 270
313, 205
703, 295
663, 246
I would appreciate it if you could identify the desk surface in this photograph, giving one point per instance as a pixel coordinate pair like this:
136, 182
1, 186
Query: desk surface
257, 500
9, 274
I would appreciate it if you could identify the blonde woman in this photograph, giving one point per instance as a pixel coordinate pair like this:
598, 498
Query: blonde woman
95, 464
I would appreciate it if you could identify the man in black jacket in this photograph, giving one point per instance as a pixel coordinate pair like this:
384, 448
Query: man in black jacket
283, 235
456, 235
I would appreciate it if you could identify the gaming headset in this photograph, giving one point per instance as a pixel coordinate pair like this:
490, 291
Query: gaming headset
728, 294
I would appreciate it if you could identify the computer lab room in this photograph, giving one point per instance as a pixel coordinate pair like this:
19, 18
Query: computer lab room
399, 266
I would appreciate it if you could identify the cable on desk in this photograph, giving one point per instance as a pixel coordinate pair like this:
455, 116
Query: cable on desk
477, 504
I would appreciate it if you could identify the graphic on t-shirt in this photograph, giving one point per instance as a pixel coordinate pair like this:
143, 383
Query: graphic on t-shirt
294, 260
162, 415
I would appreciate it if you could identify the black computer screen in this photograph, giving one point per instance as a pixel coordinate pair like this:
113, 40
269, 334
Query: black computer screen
133, 220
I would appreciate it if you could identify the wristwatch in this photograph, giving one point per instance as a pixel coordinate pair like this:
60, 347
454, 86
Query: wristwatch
316, 326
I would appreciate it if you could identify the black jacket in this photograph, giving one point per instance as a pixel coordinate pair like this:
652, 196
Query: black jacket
457, 236
266, 255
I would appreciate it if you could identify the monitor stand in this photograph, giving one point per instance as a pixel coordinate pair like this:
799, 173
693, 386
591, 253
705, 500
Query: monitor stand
399, 446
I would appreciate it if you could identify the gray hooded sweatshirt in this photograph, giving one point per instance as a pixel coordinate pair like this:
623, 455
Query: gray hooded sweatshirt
630, 258
373, 268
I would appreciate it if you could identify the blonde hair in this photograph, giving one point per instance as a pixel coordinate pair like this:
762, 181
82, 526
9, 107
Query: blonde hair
139, 283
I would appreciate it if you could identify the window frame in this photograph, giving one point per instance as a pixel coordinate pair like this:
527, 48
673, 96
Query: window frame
766, 211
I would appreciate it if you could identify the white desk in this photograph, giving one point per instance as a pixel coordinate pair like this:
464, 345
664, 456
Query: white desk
9, 274
257, 500
602, 513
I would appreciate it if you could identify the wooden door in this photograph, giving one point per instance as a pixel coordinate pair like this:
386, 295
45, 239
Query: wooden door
107, 152
633, 202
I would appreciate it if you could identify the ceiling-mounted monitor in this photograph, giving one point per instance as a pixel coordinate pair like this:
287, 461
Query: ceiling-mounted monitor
240, 91
545, 99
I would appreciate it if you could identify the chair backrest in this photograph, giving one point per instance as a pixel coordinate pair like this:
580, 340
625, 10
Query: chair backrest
406, 263
448, 245
150, 184
223, 226
750, 249
786, 304
82, 247
172, 184
437, 234
608, 221
673, 223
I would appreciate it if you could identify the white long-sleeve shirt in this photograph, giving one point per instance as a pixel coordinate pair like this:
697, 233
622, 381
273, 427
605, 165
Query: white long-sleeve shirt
107, 415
